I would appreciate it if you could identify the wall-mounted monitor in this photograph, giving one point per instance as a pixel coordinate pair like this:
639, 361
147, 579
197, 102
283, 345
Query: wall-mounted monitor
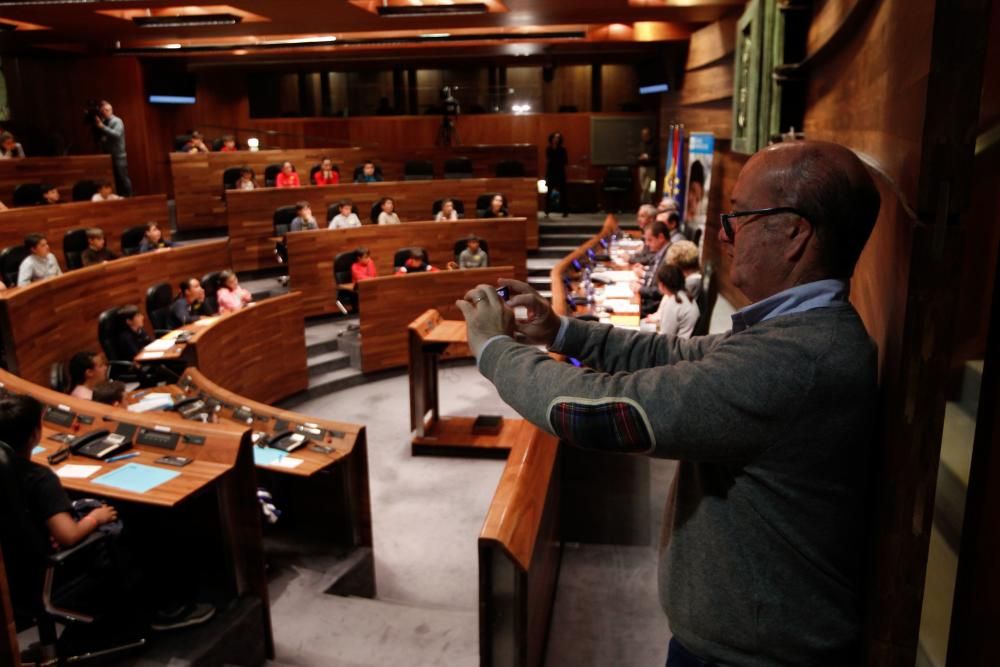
170, 85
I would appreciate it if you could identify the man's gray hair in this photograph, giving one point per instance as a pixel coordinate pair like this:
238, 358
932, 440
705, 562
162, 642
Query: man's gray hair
647, 210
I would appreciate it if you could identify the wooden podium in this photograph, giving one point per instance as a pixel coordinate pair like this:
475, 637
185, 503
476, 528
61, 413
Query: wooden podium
431, 338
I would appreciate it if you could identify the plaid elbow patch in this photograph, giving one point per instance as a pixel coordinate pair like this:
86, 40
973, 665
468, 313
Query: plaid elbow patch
613, 424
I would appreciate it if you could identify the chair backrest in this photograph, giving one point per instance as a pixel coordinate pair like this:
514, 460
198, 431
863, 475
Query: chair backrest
132, 238
210, 283
333, 210
461, 243
418, 170
23, 543
342, 267
74, 243
618, 176
180, 141
510, 169
282, 219
377, 208
59, 379
10, 262
109, 325
28, 194
483, 202
158, 299
85, 190
458, 167
706, 300
230, 176
271, 172
403, 254
459, 206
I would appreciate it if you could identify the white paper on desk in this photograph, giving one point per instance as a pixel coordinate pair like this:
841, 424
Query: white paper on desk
152, 402
618, 291
205, 322
618, 276
160, 345
621, 306
287, 462
74, 471
152, 355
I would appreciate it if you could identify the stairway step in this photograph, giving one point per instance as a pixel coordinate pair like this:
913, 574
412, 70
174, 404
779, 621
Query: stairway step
555, 252
327, 361
322, 384
542, 263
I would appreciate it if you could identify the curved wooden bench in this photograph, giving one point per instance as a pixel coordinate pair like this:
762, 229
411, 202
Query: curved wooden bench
249, 214
311, 254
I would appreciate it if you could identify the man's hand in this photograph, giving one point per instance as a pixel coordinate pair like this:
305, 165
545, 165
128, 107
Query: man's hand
541, 325
486, 316
98, 122
104, 514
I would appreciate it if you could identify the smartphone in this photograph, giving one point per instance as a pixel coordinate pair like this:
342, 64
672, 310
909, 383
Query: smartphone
178, 461
504, 293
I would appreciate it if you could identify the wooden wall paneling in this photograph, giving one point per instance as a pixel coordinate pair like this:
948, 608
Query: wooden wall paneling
707, 84
519, 551
311, 254
619, 85
250, 214
114, 217
63, 172
725, 170
50, 320
392, 302
712, 43
258, 352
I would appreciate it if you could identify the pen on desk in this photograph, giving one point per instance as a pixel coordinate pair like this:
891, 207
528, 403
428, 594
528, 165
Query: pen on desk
122, 457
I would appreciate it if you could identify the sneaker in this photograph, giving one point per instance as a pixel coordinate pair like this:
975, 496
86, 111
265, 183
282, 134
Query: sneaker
182, 616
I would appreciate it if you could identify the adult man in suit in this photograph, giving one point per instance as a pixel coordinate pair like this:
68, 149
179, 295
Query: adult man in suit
649, 293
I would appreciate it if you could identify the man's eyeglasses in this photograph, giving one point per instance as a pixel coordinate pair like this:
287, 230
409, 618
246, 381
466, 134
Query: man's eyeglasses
727, 226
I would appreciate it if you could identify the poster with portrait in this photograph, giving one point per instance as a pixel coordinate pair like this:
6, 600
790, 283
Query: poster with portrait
701, 150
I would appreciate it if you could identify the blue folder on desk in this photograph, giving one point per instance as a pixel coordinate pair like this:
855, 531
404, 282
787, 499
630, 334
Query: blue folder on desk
136, 477
265, 456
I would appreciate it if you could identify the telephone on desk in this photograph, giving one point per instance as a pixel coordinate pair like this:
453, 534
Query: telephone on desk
100, 444
287, 441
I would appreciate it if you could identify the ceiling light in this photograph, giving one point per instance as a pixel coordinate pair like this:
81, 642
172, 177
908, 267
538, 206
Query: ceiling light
432, 10
521, 108
172, 46
326, 39
186, 20
436, 35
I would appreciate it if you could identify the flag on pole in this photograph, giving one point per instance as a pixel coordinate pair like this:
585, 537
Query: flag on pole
673, 182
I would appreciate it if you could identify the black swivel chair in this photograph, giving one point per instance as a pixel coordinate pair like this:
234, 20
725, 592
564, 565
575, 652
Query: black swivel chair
484, 200
403, 254
282, 220
74, 243
376, 209
132, 239
271, 172
343, 279
28, 194
510, 169
617, 185
459, 207
109, 326
458, 167
10, 262
460, 245
418, 170
230, 176
210, 283
59, 379
706, 300
31, 572
85, 190
333, 210
158, 300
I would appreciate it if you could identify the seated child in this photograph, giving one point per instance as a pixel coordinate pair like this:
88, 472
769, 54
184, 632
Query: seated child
473, 257
345, 217
303, 219
105, 192
415, 264
364, 266
153, 239
97, 248
447, 212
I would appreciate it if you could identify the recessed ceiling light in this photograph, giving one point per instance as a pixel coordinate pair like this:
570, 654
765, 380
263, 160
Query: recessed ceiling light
435, 35
324, 39
186, 20
432, 10
172, 46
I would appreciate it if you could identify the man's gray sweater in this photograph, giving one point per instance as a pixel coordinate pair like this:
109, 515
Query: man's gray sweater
773, 426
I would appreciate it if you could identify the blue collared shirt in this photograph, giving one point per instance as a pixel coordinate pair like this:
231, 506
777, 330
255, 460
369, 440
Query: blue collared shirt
798, 299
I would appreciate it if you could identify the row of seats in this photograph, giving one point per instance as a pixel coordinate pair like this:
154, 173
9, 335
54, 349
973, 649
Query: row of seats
413, 170
74, 243
284, 215
30, 194
343, 261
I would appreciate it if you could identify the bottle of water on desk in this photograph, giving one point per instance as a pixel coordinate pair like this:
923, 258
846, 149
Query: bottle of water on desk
588, 285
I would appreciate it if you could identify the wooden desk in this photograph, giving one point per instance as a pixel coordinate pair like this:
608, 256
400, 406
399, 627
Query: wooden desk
201, 201
63, 172
114, 217
311, 254
429, 338
250, 214
565, 266
223, 463
390, 304
519, 553
50, 320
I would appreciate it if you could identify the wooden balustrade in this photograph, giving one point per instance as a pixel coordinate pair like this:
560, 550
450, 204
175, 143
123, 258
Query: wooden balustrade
62, 172
559, 302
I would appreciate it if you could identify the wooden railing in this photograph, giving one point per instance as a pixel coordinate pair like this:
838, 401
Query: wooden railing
519, 553
62, 172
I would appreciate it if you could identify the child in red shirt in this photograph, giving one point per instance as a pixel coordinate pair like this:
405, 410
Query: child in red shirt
364, 266
326, 175
287, 178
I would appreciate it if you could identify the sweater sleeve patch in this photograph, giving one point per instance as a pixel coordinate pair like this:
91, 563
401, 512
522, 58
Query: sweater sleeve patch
615, 423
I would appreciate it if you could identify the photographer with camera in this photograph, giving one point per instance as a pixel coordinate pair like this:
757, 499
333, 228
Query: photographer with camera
110, 133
